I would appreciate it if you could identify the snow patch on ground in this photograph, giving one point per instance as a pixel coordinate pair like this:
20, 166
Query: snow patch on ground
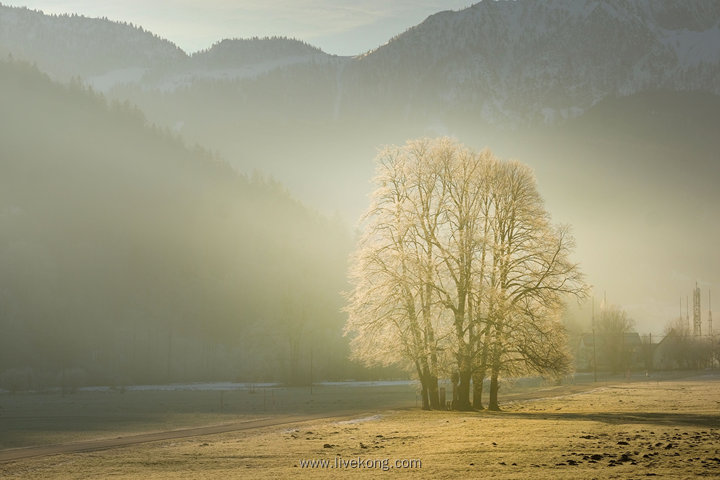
381, 383
216, 386
360, 420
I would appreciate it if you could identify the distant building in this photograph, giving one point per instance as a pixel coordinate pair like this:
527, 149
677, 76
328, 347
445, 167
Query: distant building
613, 352
585, 357
680, 350
665, 354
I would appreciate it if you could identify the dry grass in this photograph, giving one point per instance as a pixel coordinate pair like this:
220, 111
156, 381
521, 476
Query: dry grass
669, 429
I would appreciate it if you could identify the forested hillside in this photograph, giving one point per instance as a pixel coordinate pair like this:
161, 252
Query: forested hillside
127, 257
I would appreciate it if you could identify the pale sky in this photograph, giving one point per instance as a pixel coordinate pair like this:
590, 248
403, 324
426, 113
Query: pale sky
341, 27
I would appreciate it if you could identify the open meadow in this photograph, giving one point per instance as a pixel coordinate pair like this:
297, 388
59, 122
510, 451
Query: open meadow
666, 428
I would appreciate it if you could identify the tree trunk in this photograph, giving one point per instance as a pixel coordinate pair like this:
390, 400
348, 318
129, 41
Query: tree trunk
477, 381
463, 391
433, 392
454, 380
494, 387
424, 396
423, 387
495, 368
430, 385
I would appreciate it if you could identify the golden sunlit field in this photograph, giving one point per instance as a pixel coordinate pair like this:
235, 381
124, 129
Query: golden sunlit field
667, 429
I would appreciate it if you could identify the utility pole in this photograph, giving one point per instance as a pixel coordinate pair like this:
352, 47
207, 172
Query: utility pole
649, 357
594, 341
710, 333
710, 327
681, 309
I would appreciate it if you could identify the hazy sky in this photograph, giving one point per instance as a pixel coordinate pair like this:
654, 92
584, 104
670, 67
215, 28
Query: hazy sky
342, 27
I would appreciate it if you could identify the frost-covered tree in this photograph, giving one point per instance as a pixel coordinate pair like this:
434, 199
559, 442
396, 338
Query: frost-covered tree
394, 316
459, 271
533, 273
613, 327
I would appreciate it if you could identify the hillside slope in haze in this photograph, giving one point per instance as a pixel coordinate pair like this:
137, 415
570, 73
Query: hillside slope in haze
513, 62
127, 257
226, 60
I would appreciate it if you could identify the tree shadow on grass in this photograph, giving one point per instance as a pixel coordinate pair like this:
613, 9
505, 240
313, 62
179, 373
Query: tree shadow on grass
655, 418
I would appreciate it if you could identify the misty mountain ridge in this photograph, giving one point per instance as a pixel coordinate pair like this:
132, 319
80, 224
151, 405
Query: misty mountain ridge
106, 53
543, 61
238, 51
226, 60
500, 62
73, 45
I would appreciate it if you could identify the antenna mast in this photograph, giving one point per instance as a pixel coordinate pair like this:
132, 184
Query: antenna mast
697, 321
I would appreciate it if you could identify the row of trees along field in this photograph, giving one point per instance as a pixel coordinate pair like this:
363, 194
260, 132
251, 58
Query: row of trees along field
459, 272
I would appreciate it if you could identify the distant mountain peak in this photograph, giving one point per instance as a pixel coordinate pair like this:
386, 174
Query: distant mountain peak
75, 45
243, 51
510, 61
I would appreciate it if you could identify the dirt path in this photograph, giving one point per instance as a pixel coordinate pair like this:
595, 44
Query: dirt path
123, 441
107, 443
